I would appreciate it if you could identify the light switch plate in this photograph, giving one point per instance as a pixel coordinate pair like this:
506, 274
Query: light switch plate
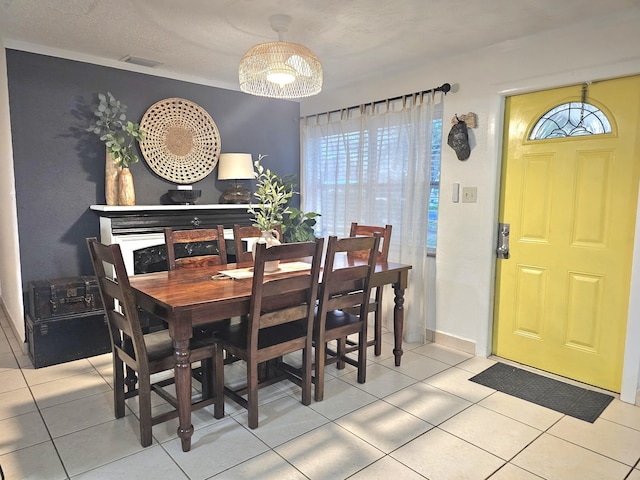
469, 194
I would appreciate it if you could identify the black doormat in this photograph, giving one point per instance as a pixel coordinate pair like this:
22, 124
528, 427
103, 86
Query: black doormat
575, 401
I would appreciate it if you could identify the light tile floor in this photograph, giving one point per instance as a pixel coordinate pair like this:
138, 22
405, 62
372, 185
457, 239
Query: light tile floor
424, 419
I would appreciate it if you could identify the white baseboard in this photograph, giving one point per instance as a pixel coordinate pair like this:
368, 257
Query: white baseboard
430, 335
17, 343
461, 344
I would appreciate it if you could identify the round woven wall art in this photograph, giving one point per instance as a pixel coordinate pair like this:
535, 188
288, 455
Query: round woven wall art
182, 142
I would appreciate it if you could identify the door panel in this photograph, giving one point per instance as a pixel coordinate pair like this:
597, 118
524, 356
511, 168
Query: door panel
536, 197
583, 316
562, 296
531, 288
592, 202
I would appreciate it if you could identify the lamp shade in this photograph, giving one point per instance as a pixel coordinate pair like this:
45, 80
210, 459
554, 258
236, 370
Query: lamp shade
235, 166
280, 70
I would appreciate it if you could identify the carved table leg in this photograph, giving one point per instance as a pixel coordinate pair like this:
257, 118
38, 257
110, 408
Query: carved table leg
398, 322
183, 391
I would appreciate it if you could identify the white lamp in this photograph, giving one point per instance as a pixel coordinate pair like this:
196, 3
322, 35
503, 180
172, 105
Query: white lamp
235, 166
280, 69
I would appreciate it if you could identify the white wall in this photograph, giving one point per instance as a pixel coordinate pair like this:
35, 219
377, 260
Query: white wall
10, 278
604, 48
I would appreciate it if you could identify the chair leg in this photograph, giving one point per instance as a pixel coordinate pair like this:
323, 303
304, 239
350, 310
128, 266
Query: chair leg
362, 355
377, 335
252, 394
206, 365
319, 371
306, 376
218, 382
118, 386
342, 352
144, 402
131, 379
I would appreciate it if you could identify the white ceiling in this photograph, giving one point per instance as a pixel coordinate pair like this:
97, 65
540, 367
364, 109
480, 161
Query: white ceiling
354, 39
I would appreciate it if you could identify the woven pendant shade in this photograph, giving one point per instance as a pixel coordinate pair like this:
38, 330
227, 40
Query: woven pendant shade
280, 69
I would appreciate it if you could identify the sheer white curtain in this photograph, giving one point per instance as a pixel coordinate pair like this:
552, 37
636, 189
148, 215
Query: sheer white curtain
372, 166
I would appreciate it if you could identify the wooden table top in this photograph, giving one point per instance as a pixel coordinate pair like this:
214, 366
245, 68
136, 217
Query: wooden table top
188, 288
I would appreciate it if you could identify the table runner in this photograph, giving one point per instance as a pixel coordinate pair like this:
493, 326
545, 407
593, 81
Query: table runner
240, 273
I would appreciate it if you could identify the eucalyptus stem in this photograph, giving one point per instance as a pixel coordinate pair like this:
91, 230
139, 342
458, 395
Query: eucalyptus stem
117, 133
273, 196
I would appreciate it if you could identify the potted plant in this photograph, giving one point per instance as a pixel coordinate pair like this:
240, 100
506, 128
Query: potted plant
273, 197
275, 193
298, 226
119, 136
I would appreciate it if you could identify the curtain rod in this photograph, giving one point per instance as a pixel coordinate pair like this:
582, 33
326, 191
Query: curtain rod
445, 88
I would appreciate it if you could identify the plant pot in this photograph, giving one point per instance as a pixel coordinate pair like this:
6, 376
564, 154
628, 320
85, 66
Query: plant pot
271, 238
111, 171
126, 193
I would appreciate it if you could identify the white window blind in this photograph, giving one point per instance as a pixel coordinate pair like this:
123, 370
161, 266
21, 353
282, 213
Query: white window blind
374, 167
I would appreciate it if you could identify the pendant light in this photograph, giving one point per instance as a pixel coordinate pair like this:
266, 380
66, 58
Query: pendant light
280, 69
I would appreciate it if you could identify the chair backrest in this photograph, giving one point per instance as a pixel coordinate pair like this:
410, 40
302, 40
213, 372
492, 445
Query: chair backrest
198, 240
347, 286
118, 299
240, 233
279, 300
369, 231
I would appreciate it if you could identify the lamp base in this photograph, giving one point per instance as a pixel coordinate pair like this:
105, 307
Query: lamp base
235, 193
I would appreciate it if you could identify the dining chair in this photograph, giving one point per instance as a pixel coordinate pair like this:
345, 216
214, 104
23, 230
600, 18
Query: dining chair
240, 234
343, 306
375, 304
146, 354
200, 250
280, 321
198, 245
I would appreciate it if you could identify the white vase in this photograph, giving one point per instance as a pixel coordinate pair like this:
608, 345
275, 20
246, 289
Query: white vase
270, 238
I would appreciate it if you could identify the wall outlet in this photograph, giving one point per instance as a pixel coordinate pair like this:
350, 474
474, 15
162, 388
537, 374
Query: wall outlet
469, 194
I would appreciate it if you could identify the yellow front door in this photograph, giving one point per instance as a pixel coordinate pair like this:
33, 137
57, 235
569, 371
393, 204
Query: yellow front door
562, 296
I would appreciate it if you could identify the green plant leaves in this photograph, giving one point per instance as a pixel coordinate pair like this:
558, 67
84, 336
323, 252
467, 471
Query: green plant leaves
273, 197
298, 226
118, 134
274, 193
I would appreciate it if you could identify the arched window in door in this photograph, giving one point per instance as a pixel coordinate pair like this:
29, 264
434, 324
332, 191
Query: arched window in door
571, 120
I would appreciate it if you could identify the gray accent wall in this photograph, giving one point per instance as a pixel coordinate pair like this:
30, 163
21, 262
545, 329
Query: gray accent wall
59, 168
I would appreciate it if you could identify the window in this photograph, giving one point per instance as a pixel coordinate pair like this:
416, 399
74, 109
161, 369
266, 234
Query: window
380, 166
376, 168
348, 154
339, 172
434, 195
571, 120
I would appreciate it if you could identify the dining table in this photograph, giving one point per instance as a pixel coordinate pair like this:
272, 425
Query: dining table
190, 297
